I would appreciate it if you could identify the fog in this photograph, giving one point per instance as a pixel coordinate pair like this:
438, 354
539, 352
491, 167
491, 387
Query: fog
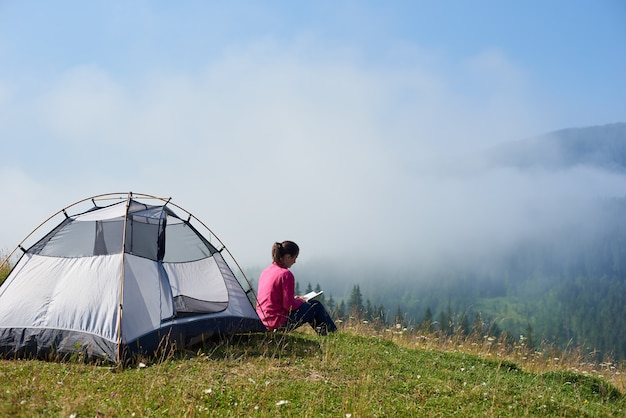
357, 165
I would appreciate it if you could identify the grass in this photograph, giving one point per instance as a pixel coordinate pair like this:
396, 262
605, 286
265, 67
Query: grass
362, 371
359, 372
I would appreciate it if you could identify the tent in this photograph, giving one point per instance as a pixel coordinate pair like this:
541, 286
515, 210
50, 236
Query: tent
127, 275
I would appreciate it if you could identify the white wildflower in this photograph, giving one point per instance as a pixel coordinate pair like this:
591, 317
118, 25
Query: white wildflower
142, 365
251, 380
281, 402
208, 391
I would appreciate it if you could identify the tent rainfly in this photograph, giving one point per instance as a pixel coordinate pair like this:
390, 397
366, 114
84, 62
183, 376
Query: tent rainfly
127, 276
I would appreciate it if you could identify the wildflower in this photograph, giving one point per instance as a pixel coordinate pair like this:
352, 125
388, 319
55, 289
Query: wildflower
251, 380
281, 402
208, 391
142, 365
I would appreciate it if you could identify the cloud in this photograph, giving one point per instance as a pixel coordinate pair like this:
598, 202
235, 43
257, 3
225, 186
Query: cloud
303, 141
85, 106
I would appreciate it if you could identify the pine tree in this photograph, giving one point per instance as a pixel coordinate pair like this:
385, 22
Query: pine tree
297, 290
380, 311
494, 330
341, 310
464, 326
450, 324
530, 343
399, 318
355, 303
330, 304
428, 319
378, 314
309, 288
477, 325
369, 310
443, 322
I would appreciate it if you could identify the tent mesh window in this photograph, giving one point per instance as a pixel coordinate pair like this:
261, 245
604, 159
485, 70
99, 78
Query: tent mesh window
152, 232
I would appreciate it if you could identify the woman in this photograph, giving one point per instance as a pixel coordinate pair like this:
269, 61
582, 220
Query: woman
277, 305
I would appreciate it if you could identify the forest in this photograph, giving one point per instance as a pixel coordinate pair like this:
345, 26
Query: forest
548, 290
565, 285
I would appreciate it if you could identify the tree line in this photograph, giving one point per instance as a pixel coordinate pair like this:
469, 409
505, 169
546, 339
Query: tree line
566, 290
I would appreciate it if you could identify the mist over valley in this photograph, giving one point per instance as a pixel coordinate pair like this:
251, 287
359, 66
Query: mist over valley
546, 249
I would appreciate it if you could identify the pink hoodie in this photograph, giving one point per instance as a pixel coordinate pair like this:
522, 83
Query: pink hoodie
275, 297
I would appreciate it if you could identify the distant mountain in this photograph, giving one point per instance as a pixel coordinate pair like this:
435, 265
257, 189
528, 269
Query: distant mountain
598, 146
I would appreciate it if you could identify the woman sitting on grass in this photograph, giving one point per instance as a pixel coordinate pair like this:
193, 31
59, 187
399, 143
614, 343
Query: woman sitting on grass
277, 305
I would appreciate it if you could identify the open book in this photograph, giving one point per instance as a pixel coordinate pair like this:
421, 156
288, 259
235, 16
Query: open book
312, 295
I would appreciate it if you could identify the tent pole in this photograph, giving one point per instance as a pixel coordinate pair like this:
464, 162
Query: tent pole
121, 307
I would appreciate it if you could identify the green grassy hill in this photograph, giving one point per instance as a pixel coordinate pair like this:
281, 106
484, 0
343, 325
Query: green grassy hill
354, 373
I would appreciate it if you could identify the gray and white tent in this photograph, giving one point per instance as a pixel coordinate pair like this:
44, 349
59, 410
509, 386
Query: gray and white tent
120, 278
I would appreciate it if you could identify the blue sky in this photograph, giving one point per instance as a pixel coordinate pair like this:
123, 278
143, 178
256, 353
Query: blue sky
301, 120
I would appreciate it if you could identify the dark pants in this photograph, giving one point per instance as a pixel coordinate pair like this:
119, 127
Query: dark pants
314, 314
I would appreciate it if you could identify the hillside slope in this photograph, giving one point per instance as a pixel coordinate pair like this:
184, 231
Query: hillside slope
597, 146
301, 374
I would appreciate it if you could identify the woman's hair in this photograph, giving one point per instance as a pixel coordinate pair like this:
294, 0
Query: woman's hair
279, 249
